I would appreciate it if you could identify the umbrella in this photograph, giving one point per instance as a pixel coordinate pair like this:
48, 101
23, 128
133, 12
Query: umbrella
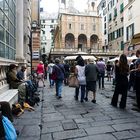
85, 57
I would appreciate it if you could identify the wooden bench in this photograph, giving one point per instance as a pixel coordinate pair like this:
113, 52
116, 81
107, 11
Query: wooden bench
10, 96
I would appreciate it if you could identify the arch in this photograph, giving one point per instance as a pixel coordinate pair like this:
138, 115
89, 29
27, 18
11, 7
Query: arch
94, 41
82, 42
69, 40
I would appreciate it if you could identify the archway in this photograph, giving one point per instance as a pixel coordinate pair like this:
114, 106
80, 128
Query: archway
69, 41
82, 42
94, 42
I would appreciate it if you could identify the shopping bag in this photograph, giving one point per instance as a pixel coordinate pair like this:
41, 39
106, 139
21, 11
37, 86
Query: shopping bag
10, 132
73, 81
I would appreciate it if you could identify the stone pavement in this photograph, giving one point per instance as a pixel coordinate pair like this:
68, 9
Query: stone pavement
57, 119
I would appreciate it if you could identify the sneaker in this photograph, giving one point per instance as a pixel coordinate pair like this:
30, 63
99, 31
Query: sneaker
86, 99
93, 101
59, 97
134, 104
136, 109
82, 101
76, 98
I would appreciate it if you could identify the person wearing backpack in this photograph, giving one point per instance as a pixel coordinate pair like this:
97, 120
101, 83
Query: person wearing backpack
59, 72
50, 69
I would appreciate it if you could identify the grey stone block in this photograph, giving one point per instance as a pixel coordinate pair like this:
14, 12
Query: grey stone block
69, 134
99, 130
98, 137
127, 126
46, 137
28, 130
123, 135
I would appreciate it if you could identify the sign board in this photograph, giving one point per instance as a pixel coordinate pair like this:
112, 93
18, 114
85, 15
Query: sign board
35, 55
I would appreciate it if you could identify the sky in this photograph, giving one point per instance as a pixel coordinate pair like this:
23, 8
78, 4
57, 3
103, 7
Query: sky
51, 6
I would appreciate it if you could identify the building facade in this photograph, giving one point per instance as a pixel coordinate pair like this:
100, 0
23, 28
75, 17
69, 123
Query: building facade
77, 31
48, 24
35, 33
14, 30
102, 12
131, 26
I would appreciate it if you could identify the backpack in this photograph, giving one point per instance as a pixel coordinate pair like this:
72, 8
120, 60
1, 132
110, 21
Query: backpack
50, 69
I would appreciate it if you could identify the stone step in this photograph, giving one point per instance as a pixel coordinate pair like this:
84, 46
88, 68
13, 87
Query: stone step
10, 96
4, 88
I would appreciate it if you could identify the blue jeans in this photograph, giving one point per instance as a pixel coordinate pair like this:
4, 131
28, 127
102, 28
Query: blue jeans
29, 82
58, 85
51, 81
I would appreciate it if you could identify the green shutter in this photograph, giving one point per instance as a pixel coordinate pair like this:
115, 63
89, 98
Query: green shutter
121, 8
122, 45
115, 12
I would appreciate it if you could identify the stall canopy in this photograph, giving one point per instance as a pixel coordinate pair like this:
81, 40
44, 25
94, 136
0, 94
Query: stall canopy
129, 58
135, 39
85, 57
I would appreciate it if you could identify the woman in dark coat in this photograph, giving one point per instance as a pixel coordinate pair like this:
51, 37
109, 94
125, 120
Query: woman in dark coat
121, 87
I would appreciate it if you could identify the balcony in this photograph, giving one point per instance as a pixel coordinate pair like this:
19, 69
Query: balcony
98, 52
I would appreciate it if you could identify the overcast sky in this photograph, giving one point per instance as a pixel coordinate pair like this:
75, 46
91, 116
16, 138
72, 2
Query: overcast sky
52, 5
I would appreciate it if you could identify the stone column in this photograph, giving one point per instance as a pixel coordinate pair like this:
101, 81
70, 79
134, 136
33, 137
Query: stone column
19, 31
88, 43
76, 43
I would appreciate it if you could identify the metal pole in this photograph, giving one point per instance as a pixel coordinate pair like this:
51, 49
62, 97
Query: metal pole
31, 52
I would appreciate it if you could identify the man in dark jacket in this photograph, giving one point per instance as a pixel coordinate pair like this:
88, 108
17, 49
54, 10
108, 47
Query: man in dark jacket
60, 72
91, 72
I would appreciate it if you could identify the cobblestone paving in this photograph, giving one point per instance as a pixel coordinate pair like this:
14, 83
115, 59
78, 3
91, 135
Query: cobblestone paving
57, 119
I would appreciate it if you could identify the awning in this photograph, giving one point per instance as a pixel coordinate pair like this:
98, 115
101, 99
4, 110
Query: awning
135, 39
85, 57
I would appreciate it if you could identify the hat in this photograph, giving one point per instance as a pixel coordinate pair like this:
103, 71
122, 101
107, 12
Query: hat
12, 66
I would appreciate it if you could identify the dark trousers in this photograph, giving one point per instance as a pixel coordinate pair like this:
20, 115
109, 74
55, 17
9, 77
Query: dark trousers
137, 83
83, 89
5, 111
120, 89
101, 79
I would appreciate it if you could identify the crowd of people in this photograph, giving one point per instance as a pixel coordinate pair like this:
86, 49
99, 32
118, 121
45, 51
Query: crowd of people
89, 73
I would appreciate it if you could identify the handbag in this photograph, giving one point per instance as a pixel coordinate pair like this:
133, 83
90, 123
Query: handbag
10, 132
73, 81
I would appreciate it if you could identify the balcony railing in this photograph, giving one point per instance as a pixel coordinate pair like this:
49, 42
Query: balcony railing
87, 50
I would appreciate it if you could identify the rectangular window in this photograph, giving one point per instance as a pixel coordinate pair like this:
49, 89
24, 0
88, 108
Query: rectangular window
69, 26
105, 26
130, 13
52, 20
51, 26
129, 32
110, 17
82, 26
115, 12
94, 27
105, 18
122, 45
